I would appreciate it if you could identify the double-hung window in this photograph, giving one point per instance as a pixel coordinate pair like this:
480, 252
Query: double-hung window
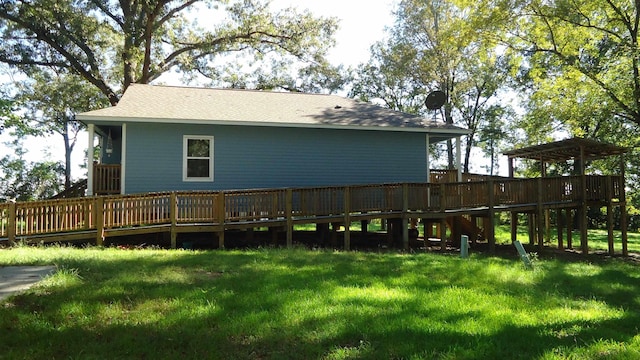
197, 158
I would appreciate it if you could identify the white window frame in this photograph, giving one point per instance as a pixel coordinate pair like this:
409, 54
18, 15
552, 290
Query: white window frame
185, 158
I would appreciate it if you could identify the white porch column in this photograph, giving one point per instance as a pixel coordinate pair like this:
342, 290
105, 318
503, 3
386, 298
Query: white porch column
123, 158
90, 148
459, 157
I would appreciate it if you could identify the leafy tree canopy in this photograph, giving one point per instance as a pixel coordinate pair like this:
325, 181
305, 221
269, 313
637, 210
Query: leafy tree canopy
587, 49
22, 180
439, 45
113, 43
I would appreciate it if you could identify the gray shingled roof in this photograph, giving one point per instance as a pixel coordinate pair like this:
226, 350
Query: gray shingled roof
150, 103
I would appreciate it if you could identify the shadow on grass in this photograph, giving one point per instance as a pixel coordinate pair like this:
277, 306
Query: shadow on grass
304, 304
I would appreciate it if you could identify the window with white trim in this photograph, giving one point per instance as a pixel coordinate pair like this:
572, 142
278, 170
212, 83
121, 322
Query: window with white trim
197, 163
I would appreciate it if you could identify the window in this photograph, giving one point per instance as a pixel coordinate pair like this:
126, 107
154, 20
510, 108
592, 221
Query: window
198, 158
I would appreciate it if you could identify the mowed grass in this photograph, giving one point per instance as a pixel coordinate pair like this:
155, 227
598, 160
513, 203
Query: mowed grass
597, 239
302, 304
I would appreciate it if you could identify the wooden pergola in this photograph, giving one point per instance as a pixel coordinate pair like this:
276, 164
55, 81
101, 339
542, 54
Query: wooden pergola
581, 151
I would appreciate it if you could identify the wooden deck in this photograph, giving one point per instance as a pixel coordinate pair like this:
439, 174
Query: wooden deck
100, 217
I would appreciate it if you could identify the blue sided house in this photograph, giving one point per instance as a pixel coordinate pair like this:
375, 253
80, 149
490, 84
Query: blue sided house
164, 138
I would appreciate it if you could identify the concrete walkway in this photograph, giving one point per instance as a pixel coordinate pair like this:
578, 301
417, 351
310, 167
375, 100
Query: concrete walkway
18, 278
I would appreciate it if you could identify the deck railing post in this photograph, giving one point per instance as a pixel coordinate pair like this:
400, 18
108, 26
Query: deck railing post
99, 220
173, 215
86, 214
12, 225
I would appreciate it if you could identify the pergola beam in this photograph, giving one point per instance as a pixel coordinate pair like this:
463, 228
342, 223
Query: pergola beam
580, 150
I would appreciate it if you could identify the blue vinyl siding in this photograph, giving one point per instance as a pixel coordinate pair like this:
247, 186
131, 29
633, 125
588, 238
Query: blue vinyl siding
267, 157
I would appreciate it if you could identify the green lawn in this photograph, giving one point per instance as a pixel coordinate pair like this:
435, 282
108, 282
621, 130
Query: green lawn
300, 304
597, 239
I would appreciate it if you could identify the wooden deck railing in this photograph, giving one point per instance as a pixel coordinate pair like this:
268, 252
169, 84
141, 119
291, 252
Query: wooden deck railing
451, 175
106, 179
221, 208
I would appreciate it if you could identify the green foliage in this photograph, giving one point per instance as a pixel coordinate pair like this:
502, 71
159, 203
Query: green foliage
585, 50
112, 44
437, 45
274, 304
6, 114
21, 180
49, 101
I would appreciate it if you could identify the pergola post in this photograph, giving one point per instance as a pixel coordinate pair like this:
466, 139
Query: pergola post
623, 207
580, 150
514, 214
584, 246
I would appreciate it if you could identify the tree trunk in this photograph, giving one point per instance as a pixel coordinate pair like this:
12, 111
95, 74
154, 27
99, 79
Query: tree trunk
68, 149
449, 120
67, 160
467, 153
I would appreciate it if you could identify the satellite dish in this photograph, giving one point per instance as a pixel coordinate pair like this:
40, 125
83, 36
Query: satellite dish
435, 100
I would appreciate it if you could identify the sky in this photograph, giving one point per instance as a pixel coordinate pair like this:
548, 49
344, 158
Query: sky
362, 23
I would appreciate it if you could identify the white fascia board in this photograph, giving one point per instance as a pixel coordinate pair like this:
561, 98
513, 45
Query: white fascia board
453, 132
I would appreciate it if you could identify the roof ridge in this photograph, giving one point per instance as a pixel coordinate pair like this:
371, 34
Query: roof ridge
239, 90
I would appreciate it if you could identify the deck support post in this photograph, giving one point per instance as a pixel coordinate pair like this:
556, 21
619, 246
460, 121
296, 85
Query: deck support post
531, 231
610, 228
322, 232
334, 234
540, 234
560, 222
540, 217
173, 214
364, 226
570, 228
221, 212
427, 229
609, 195
347, 218
405, 219
623, 228
364, 229
583, 220
584, 246
547, 225
12, 225
289, 214
443, 234
623, 208
273, 230
99, 220
250, 235
514, 226
491, 236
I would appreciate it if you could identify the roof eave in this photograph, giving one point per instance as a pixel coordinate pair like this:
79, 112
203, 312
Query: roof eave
117, 119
